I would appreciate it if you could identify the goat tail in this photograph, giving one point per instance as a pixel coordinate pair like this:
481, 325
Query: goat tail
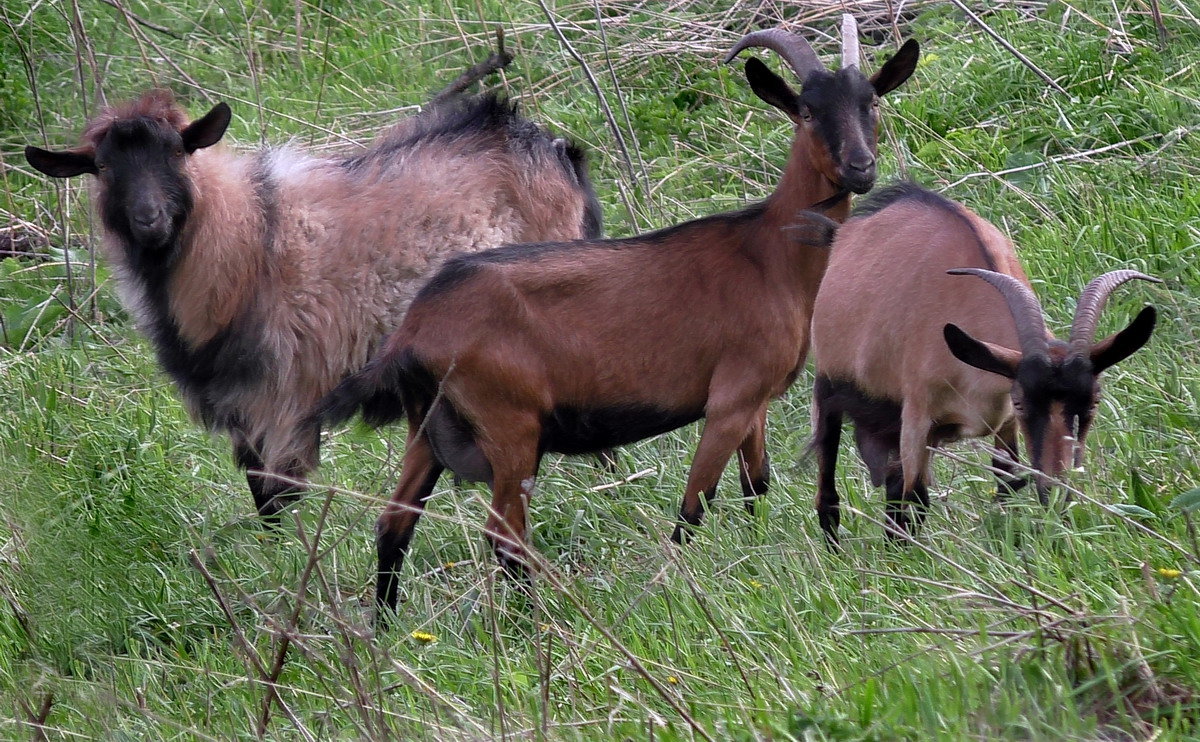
376, 391
573, 160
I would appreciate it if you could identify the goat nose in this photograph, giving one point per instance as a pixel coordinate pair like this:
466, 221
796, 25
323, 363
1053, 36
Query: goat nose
147, 217
862, 164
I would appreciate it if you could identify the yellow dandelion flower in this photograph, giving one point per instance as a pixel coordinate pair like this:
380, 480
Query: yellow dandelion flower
424, 637
450, 565
1169, 573
755, 584
672, 680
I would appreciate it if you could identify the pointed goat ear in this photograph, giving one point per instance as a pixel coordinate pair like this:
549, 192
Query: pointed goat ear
896, 70
771, 88
995, 359
208, 130
1119, 346
66, 164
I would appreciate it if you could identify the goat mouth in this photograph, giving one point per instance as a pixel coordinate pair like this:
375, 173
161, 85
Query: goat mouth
859, 184
152, 237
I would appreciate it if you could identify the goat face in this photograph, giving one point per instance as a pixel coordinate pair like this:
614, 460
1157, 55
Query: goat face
837, 112
1055, 389
140, 162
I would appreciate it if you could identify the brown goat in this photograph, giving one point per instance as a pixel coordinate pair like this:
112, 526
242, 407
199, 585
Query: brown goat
263, 279
917, 358
510, 353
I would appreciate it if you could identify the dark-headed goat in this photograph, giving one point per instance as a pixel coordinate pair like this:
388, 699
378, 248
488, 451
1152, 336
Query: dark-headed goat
263, 279
510, 353
917, 355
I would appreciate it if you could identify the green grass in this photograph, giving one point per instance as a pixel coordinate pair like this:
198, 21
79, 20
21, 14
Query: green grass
1015, 623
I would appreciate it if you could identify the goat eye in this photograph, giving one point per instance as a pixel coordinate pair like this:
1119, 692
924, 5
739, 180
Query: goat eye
101, 167
179, 152
874, 103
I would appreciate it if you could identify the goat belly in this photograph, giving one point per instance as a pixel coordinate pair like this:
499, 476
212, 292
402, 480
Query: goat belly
576, 430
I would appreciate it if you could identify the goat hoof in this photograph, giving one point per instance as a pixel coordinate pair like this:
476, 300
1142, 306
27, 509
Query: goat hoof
831, 521
515, 568
1009, 486
898, 528
607, 458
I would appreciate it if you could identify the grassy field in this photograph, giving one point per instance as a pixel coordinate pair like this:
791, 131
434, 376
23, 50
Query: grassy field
141, 599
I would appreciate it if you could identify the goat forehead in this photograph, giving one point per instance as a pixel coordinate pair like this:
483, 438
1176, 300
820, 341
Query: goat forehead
1045, 381
831, 91
139, 134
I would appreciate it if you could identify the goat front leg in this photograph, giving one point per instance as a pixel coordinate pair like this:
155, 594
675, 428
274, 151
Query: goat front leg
1005, 460
394, 529
754, 464
607, 459
723, 432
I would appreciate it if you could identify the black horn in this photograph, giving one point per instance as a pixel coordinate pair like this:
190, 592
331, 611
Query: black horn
794, 49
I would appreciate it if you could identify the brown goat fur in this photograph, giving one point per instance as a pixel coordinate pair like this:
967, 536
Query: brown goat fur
510, 353
886, 356
263, 279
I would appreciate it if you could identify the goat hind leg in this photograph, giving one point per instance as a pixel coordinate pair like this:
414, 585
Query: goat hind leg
607, 458
394, 529
826, 438
268, 485
907, 493
245, 454
754, 464
514, 462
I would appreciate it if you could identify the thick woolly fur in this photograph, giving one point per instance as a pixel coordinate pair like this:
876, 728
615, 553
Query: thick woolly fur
292, 267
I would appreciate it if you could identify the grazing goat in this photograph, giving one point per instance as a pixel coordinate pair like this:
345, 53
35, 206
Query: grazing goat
918, 358
510, 353
263, 279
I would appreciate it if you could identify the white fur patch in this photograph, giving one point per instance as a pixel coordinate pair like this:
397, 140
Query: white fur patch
287, 164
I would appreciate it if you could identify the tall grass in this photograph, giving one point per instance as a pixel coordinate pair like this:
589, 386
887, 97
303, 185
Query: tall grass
142, 599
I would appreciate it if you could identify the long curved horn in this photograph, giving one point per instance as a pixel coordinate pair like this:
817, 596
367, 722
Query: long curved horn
794, 50
849, 41
1091, 302
1022, 303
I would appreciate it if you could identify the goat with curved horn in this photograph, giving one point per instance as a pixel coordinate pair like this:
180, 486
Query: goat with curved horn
828, 102
707, 319
918, 358
850, 53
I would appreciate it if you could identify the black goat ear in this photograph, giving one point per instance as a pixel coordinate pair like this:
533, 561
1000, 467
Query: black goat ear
896, 70
66, 164
1119, 346
995, 359
207, 130
771, 88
